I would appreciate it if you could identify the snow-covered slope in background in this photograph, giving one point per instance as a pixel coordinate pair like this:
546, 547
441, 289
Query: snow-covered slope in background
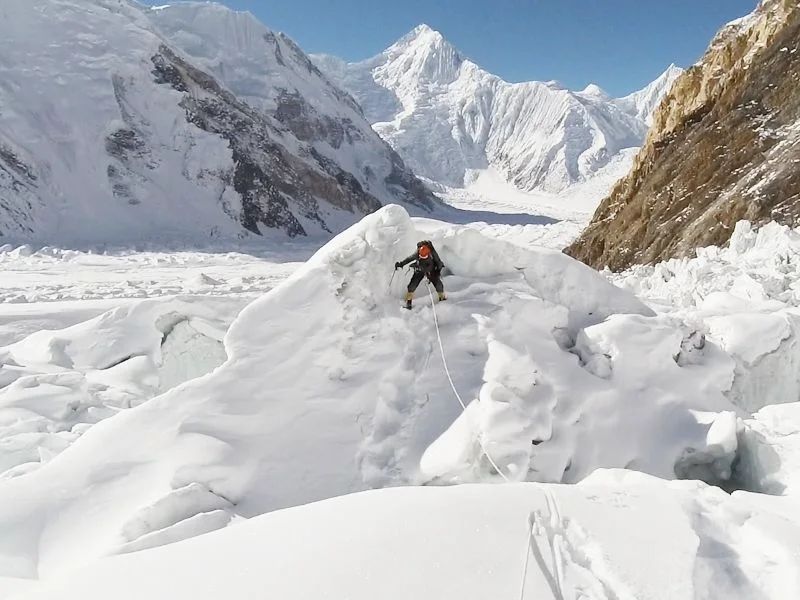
447, 117
331, 387
122, 123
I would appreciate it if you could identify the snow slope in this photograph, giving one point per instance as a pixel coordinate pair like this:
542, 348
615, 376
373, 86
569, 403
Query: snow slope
447, 117
617, 535
58, 384
330, 387
644, 102
112, 131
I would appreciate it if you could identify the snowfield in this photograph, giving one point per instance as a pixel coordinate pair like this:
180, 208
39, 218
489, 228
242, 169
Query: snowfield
156, 422
232, 415
616, 535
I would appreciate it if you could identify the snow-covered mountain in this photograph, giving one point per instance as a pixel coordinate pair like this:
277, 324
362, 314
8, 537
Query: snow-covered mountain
119, 122
645, 101
448, 117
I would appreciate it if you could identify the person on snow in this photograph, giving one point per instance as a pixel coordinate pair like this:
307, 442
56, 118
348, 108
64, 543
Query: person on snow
426, 263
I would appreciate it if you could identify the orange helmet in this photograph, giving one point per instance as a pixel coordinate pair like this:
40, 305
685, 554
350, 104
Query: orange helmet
424, 252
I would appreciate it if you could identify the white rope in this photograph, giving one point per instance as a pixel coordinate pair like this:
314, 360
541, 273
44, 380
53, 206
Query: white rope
453, 385
553, 576
531, 523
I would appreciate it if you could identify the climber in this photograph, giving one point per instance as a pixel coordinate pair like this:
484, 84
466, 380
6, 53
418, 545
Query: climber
426, 263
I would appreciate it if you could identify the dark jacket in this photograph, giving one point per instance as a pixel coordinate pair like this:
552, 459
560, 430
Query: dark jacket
432, 264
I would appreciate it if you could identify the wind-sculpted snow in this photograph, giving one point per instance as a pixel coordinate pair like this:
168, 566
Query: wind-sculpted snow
448, 118
618, 535
746, 298
331, 387
56, 385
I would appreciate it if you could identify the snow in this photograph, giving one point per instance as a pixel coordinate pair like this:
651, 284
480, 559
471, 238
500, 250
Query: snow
52, 274
447, 117
681, 540
745, 298
645, 101
208, 419
58, 384
95, 148
326, 386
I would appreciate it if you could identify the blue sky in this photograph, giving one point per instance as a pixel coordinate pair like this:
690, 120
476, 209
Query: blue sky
619, 44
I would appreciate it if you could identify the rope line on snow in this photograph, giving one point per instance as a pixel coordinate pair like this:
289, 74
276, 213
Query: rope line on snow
555, 576
528, 548
453, 385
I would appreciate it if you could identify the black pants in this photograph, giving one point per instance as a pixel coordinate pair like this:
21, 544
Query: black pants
434, 277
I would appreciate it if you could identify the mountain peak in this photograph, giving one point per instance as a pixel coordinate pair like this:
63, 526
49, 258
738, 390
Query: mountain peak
595, 91
423, 54
423, 35
423, 29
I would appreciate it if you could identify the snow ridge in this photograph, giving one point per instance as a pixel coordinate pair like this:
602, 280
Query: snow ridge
447, 117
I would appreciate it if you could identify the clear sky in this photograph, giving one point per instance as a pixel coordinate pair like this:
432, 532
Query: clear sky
619, 44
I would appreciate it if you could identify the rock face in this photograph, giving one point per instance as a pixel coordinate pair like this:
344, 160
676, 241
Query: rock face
447, 117
122, 123
725, 146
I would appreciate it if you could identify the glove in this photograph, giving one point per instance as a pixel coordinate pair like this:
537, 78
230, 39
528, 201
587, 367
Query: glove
396, 266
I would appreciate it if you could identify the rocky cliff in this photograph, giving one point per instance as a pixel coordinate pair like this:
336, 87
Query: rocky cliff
724, 146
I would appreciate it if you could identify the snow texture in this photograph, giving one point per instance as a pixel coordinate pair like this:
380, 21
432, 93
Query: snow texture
130, 124
331, 387
746, 299
449, 119
681, 540
55, 385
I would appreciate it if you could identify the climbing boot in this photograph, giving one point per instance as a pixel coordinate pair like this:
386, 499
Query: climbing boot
409, 297
442, 297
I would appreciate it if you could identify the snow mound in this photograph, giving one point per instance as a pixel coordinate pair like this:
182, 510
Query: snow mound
331, 387
746, 298
770, 454
682, 540
55, 385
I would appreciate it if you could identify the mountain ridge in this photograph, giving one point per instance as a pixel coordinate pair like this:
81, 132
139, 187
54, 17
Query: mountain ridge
447, 116
182, 138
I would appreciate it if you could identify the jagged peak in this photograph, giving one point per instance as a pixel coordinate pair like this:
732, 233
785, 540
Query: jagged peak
671, 72
422, 31
595, 91
424, 53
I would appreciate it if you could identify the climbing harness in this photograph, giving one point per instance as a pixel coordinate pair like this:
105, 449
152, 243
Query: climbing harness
453, 386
